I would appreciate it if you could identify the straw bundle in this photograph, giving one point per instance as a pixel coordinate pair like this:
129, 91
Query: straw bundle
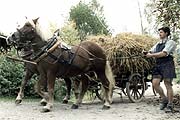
125, 51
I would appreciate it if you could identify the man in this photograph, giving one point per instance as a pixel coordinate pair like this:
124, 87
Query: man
164, 68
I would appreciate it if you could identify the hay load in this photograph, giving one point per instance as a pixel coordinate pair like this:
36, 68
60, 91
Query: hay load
124, 51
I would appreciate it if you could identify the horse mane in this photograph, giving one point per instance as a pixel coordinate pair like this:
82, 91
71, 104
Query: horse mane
42, 27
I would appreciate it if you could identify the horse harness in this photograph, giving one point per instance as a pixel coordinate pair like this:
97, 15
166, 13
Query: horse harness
53, 44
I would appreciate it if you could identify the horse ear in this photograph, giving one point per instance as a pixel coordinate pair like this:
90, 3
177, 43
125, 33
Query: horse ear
35, 20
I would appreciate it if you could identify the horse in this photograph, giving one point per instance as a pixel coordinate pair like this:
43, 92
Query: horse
54, 60
30, 69
4, 47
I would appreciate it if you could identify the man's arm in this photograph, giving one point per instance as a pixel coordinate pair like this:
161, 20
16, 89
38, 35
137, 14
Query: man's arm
157, 55
170, 47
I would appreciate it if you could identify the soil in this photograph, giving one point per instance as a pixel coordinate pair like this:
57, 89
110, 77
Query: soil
121, 109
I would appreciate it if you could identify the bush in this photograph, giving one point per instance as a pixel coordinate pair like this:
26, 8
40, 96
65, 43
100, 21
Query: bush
11, 75
59, 90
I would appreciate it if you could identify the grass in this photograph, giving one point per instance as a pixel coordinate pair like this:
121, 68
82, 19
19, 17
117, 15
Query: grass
12, 99
7, 98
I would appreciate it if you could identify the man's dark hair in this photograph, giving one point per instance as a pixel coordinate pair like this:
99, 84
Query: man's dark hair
166, 30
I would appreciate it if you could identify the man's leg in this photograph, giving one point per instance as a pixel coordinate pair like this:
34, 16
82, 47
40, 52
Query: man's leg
158, 88
168, 84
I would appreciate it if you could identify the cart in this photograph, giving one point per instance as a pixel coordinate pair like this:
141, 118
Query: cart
132, 85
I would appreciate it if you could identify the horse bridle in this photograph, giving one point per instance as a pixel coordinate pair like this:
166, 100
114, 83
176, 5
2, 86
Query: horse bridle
25, 36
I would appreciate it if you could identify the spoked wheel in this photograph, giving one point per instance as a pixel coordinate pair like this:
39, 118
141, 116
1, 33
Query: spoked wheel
96, 88
99, 92
135, 87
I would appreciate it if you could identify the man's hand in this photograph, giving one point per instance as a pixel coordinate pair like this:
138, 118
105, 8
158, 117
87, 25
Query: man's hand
145, 52
149, 55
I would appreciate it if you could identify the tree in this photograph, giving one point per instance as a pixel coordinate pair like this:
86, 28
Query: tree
89, 18
164, 13
69, 34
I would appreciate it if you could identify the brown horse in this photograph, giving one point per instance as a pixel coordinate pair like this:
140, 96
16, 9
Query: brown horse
54, 60
30, 69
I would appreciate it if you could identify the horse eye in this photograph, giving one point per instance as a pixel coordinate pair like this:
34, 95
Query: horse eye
28, 25
13, 36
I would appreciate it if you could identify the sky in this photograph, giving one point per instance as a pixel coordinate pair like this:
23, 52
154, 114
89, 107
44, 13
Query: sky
121, 15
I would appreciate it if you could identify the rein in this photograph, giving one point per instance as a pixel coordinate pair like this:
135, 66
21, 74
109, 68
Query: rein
131, 57
91, 54
52, 45
47, 52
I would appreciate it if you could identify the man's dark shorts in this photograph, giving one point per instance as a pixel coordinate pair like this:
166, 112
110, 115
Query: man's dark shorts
165, 70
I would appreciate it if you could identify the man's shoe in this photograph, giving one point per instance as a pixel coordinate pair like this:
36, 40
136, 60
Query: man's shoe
169, 108
163, 104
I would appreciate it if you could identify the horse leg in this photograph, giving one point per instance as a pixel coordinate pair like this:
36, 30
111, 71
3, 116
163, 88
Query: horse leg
111, 79
68, 91
83, 89
28, 76
43, 102
76, 84
108, 82
105, 84
50, 97
40, 85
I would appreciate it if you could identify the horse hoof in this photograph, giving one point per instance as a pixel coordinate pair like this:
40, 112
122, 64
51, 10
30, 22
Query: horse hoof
106, 107
43, 103
65, 101
17, 102
74, 106
45, 109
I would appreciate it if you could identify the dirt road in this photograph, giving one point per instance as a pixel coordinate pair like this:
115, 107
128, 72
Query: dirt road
122, 109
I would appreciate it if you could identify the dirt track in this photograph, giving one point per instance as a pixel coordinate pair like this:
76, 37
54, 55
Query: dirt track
148, 109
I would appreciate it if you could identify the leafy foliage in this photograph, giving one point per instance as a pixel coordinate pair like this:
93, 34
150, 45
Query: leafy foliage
59, 90
11, 75
165, 13
89, 19
69, 34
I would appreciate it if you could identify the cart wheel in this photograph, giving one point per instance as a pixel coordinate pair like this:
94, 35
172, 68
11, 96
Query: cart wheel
135, 87
99, 92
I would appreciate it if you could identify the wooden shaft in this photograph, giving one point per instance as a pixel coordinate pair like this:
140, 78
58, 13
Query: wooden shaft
20, 60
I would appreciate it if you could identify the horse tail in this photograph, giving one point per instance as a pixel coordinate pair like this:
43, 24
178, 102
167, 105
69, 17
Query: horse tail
110, 76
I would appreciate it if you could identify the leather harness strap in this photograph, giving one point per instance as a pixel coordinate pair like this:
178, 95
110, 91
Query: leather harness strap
48, 51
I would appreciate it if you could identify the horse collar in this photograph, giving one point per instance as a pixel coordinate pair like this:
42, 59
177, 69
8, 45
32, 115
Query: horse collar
45, 49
